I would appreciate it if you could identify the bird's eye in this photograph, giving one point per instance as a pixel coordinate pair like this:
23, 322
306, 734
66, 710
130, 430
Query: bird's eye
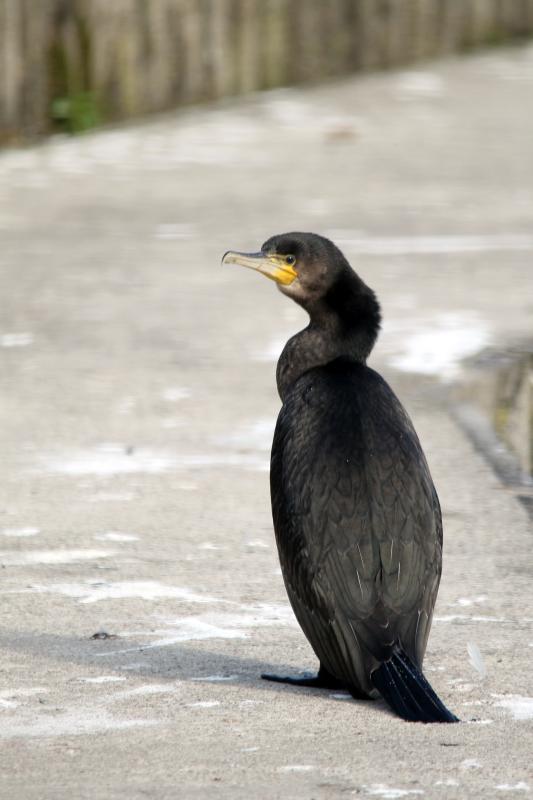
290, 260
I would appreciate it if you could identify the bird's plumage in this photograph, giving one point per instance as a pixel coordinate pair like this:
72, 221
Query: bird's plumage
353, 501
356, 516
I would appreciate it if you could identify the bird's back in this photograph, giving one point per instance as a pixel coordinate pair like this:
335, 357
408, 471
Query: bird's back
357, 520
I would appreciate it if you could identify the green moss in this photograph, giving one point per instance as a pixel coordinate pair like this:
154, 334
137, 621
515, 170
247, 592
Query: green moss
76, 113
74, 107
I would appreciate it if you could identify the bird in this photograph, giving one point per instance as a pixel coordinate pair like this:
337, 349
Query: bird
356, 515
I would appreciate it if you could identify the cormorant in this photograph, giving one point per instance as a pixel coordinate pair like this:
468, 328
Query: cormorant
356, 515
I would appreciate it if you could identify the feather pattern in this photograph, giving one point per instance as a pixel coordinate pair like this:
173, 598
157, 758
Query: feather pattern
357, 520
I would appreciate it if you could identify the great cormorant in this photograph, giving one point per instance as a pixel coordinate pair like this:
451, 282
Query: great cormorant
356, 515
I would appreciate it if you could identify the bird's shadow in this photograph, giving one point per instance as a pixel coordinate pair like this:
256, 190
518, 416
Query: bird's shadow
117, 656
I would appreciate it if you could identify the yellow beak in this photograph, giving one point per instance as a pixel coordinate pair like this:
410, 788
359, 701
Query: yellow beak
273, 266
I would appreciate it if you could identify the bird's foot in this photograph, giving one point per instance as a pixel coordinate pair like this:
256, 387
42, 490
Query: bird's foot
307, 679
323, 680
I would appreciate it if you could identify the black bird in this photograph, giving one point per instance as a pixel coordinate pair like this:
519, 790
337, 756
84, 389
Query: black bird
356, 515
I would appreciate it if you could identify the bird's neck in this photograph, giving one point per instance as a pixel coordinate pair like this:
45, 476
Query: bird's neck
343, 324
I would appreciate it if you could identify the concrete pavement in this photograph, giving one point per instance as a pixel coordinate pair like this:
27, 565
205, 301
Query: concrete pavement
138, 402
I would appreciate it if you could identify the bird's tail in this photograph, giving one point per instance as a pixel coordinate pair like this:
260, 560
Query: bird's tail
405, 689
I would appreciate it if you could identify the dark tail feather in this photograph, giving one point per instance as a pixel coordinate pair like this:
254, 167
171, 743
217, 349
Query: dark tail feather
404, 688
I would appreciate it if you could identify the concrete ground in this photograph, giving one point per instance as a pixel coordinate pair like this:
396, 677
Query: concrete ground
141, 595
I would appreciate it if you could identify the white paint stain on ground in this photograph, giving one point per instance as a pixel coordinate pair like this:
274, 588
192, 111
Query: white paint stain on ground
521, 786
215, 678
16, 339
77, 722
420, 83
12, 698
187, 629
356, 244
297, 768
520, 707
204, 704
20, 533
94, 592
438, 346
144, 691
212, 625
470, 601
81, 718
108, 460
217, 138
447, 782
115, 536
7, 703
35, 557
388, 792
136, 666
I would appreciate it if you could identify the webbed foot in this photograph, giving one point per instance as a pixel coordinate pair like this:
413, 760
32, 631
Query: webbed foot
323, 680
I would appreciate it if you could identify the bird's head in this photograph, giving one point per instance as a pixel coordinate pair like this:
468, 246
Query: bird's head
305, 266
314, 273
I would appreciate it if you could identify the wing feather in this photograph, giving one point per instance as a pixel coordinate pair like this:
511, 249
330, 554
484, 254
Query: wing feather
357, 520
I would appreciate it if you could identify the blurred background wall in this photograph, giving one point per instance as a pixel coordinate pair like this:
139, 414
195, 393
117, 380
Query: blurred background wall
73, 64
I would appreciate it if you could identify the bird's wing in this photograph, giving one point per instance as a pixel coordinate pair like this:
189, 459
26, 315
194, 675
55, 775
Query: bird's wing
356, 518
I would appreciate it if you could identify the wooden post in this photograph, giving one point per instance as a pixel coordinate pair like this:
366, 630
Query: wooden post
528, 10
248, 47
222, 39
278, 51
482, 23
138, 56
314, 43
453, 21
514, 17
11, 66
400, 32
193, 60
372, 36
426, 33
337, 37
